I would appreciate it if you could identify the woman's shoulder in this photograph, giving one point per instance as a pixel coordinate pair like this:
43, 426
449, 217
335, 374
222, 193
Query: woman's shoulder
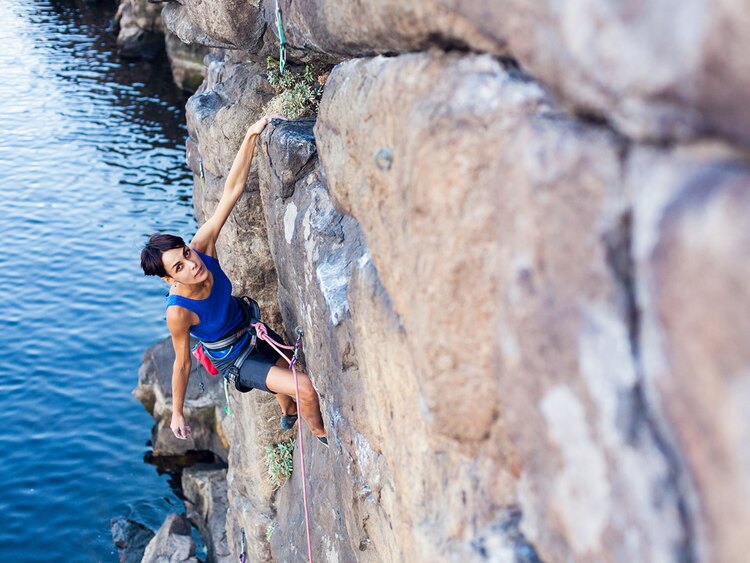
179, 319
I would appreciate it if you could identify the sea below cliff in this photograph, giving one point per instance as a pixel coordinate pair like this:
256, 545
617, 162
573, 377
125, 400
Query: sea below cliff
91, 161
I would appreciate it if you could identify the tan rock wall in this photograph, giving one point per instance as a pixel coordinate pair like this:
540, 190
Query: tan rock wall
490, 233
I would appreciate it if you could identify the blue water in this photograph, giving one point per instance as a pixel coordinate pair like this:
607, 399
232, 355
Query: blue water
91, 161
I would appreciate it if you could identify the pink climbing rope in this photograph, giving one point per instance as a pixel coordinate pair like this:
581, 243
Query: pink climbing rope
260, 331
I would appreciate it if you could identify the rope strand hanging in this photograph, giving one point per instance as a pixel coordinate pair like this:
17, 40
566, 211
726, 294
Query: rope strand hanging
260, 330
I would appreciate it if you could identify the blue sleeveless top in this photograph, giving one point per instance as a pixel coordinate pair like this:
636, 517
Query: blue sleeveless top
218, 313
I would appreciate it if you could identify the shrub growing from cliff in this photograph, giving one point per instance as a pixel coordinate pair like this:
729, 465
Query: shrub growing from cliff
279, 462
297, 94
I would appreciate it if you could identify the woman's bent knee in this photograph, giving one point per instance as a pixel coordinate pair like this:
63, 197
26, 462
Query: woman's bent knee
307, 392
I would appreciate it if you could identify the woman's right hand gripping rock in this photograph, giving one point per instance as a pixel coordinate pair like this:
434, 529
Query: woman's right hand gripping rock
180, 429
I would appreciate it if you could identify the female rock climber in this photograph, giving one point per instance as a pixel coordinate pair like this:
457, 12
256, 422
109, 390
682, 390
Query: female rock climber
200, 303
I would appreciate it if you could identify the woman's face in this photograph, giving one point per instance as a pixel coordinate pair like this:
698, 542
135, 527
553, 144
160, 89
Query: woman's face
183, 265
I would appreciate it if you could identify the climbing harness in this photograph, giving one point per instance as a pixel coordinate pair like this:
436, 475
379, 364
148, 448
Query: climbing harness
251, 312
282, 40
260, 330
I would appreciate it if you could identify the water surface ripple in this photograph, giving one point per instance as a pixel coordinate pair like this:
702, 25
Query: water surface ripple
91, 161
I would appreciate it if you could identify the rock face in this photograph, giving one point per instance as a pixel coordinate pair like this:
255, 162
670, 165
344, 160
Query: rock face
203, 410
527, 325
235, 90
206, 499
172, 543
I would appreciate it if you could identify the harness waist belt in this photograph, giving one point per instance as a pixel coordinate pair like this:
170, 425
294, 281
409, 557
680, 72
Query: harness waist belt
227, 341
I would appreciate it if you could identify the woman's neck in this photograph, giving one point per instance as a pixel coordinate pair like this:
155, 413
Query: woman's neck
195, 291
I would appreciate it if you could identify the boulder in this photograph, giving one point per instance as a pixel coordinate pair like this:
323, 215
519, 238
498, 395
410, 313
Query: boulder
172, 543
131, 538
205, 490
203, 410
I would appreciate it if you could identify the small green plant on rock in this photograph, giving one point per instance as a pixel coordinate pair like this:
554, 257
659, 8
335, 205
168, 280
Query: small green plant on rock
270, 529
279, 462
297, 94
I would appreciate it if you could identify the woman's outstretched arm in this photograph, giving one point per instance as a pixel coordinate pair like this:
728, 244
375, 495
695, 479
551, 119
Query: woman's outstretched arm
179, 322
205, 239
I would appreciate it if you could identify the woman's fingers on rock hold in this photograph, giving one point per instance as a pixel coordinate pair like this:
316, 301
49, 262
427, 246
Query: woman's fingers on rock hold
180, 431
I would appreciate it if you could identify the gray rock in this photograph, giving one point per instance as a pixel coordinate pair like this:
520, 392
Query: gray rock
186, 61
140, 33
172, 543
203, 411
131, 538
499, 241
205, 492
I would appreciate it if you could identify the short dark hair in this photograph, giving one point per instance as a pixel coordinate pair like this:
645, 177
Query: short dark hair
157, 245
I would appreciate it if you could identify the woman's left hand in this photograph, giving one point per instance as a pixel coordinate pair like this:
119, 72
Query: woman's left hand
257, 127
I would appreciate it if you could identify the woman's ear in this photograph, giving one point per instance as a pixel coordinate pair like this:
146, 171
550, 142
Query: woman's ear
168, 280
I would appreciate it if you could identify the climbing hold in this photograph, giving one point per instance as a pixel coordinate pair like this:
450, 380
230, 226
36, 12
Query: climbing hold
384, 159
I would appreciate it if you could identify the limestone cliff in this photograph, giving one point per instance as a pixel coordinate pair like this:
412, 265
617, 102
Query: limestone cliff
520, 264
